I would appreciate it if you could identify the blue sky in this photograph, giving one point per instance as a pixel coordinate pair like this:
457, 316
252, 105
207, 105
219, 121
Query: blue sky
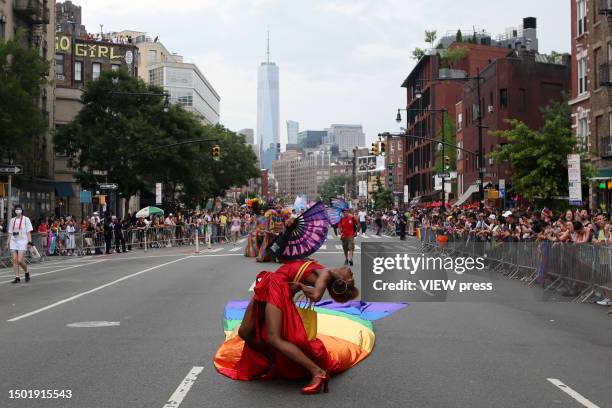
340, 61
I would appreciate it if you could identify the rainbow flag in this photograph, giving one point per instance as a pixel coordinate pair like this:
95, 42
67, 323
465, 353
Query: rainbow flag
346, 329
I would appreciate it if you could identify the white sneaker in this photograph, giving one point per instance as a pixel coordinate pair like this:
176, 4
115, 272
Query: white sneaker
605, 302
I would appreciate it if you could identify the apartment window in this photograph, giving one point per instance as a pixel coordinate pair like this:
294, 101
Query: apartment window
59, 66
2, 28
152, 57
503, 98
522, 100
581, 13
609, 51
459, 120
96, 67
583, 132
582, 75
599, 130
597, 61
78, 71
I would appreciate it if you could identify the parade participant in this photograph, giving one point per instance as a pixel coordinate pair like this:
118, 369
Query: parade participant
20, 240
235, 228
348, 227
276, 343
363, 214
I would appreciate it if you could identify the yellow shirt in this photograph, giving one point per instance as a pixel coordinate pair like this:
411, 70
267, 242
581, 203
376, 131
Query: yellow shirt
223, 220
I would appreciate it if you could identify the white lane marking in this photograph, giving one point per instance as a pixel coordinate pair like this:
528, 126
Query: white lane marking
387, 236
364, 236
357, 247
575, 395
93, 324
338, 246
57, 270
323, 247
214, 250
235, 249
179, 394
61, 302
330, 236
252, 286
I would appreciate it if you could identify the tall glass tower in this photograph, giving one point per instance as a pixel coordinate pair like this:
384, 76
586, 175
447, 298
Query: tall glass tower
268, 134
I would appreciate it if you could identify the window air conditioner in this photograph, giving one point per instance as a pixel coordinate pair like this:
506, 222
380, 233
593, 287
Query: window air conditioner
492, 108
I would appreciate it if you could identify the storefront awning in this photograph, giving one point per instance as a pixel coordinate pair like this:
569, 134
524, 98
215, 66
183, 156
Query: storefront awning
64, 189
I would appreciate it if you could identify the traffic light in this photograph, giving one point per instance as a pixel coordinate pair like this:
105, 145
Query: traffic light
383, 149
216, 152
375, 149
447, 163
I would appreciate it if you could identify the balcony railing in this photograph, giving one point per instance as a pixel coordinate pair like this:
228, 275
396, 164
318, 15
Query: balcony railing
605, 146
605, 74
32, 11
605, 7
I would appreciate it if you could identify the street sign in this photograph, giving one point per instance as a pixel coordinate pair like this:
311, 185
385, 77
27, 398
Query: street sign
99, 172
85, 197
502, 188
108, 186
10, 169
158, 193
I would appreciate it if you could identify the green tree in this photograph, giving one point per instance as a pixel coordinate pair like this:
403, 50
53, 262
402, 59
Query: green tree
430, 37
22, 78
383, 197
539, 157
333, 187
126, 132
418, 53
459, 37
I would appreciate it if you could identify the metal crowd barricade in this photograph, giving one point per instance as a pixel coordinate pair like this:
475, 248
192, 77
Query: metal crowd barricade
587, 268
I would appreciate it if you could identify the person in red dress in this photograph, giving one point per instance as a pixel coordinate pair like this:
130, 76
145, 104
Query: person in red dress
276, 343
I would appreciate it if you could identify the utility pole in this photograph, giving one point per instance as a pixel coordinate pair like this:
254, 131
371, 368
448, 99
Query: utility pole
480, 153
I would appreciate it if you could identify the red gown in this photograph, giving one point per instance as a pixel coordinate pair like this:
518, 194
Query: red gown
273, 287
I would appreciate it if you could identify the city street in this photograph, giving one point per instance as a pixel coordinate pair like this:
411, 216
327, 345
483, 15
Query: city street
164, 311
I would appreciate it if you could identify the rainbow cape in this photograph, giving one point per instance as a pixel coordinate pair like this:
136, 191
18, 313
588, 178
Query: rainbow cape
346, 329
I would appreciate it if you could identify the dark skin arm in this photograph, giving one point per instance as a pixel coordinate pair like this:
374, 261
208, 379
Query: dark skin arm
315, 284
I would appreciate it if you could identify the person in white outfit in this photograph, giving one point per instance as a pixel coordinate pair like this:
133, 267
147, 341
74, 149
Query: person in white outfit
20, 240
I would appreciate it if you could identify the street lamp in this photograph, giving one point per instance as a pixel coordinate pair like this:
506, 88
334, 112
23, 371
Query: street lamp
480, 155
441, 143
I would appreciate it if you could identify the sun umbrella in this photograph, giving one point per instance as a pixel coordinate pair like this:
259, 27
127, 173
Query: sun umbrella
148, 211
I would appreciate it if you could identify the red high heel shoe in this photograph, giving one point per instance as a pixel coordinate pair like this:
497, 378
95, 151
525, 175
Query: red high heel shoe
315, 386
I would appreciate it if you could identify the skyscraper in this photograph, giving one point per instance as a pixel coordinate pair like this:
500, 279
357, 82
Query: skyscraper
293, 128
268, 135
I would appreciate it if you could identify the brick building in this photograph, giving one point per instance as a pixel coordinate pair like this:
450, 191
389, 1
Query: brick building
592, 93
422, 118
513, 87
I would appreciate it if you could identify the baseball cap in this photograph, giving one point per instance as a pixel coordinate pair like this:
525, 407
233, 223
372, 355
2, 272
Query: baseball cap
508, 214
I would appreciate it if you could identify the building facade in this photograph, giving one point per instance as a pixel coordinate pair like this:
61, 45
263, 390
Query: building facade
346, 137
268, 134
597, 108
427, 94
293, 128
77, 61
302, 174
34, 188
513, 87
187, 87
311, 139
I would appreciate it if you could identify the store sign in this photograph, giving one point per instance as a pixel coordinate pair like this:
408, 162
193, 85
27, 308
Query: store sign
158, 193
502, 188
88, 50
574, 179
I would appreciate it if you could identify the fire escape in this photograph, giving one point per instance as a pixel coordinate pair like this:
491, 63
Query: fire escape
34, 17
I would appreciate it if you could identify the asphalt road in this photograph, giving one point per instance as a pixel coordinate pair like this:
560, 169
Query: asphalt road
166, 307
